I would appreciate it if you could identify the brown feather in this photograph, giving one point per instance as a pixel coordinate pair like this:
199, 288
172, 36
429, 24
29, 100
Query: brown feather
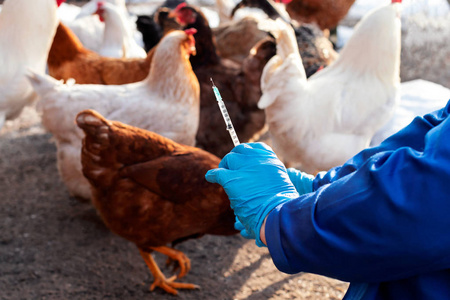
69, 59
325, 13
149, 189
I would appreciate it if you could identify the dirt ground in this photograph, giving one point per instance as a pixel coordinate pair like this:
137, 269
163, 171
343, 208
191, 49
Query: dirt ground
54, 247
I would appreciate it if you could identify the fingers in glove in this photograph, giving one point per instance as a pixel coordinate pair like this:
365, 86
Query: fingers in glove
253, 148
234, 161
244, 232
303, 182
238, 225
242, 156
218, 175
247, 234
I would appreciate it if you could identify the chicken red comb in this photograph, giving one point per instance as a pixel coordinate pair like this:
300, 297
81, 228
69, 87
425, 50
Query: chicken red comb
59, 2
180, 6
396, 1
100, 10
100, 4
190, 31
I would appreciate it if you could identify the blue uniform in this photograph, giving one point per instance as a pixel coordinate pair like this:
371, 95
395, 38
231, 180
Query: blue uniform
381, 221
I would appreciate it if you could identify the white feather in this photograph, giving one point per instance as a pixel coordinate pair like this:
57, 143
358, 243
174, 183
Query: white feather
90, 30
118, 39
321, 122
26, 33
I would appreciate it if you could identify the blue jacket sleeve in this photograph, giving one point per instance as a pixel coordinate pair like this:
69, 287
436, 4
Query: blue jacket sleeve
412, 136
386, 219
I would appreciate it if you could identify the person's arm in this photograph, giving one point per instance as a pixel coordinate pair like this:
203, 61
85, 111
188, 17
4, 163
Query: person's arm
371, 224
262, 232
384, 221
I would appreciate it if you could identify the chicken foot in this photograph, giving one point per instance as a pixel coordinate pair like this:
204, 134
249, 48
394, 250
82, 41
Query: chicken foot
169, 285
183, 261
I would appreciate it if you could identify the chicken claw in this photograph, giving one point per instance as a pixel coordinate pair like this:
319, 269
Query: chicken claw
183, 261
160, 280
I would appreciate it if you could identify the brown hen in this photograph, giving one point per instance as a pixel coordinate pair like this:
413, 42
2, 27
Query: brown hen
325, 13
152, 191
238, 84
316, 49
235, 39
68, 58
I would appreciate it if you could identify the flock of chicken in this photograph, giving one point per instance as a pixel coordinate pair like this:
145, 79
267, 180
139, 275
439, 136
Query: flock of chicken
127, 122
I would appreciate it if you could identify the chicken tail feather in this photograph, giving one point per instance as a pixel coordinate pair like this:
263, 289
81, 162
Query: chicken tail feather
40, 82
96, 153
89, 120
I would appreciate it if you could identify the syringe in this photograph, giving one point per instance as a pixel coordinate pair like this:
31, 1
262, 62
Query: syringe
225, 115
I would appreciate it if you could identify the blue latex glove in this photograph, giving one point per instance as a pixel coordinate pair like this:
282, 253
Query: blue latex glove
255, 181
302, 181
238, 226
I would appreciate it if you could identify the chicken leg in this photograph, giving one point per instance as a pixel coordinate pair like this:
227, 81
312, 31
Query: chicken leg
160, 280
174, 255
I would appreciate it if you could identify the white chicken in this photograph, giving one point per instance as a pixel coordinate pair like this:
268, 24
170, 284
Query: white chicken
118, 40
26, 33
90, 30
321, 122
166, 102
417, 98
68, 12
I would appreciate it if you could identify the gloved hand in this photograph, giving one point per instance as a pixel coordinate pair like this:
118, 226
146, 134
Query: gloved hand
238, 226
255, 181
302, 181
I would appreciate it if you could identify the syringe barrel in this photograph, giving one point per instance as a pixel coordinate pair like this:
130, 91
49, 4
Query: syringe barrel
217, 94
225, 115
234, 136
228, 123
224, 112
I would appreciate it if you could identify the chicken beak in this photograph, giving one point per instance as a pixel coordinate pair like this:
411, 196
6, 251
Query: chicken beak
193, 51
190, 49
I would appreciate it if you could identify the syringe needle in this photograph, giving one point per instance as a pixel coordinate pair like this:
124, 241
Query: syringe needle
225, 115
